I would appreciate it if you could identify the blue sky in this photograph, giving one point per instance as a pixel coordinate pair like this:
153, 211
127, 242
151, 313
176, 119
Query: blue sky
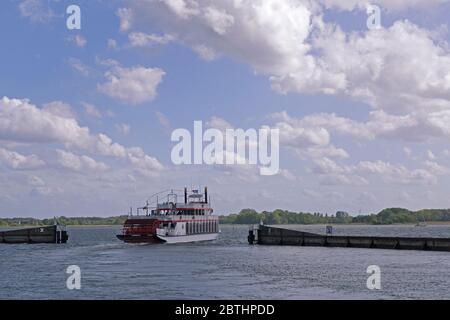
362, 113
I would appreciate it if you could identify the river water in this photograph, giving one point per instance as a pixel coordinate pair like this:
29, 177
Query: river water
228, 268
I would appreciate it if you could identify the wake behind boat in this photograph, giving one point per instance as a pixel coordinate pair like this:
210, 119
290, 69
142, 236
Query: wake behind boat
171, 221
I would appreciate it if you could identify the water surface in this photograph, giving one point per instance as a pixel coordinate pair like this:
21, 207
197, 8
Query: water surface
224, 269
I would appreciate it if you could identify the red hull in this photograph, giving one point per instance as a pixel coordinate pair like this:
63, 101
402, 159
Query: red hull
139, 239
140, 231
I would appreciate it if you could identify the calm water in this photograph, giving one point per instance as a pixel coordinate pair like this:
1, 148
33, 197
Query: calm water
225, 269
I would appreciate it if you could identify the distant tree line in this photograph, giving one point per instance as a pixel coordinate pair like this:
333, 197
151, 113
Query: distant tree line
76, 221
251, 216
386, 216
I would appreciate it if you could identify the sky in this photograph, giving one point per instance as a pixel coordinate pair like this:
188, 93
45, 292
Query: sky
86, 115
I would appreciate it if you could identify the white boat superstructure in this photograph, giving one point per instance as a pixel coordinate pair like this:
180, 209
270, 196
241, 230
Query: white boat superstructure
173, 222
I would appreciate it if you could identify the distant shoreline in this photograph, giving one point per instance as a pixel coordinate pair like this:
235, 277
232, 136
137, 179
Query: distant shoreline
430, 223
390, 216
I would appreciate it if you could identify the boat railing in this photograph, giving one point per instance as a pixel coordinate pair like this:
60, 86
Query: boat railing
170, 198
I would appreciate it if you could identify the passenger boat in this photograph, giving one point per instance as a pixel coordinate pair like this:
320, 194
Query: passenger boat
171, 221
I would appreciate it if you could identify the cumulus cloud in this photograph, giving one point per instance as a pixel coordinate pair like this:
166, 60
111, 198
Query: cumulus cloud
270, 35
394, 5
399, 69
412, 127
123, 128
40, 188
132, 86
389, 173
219, 123
162, 119
60, 109
78, 40
21, 121
91, 110
205, 52
140, 39
126, 17
17, 161
36, 10
71, 161
112, 44
306, 138
79, 67
396, 173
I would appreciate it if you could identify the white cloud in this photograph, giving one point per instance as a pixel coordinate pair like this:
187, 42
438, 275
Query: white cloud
219, 123
328, 166
77, 163
413, 127
396, 173
268, 34
394, 5
78, 40
331, 172
144, 163
183, 9
308, 139
79, 67
400, 69
91, 110
342, 180
36, 11
60, 109
21, 121
205, 52
436, 168
162, 119
140, 39
123, 128
17, 161
41, 189
407, 151
219, 20
126, 17
133, 86
112, 44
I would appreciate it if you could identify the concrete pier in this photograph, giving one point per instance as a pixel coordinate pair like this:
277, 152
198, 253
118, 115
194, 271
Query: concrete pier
266, 235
